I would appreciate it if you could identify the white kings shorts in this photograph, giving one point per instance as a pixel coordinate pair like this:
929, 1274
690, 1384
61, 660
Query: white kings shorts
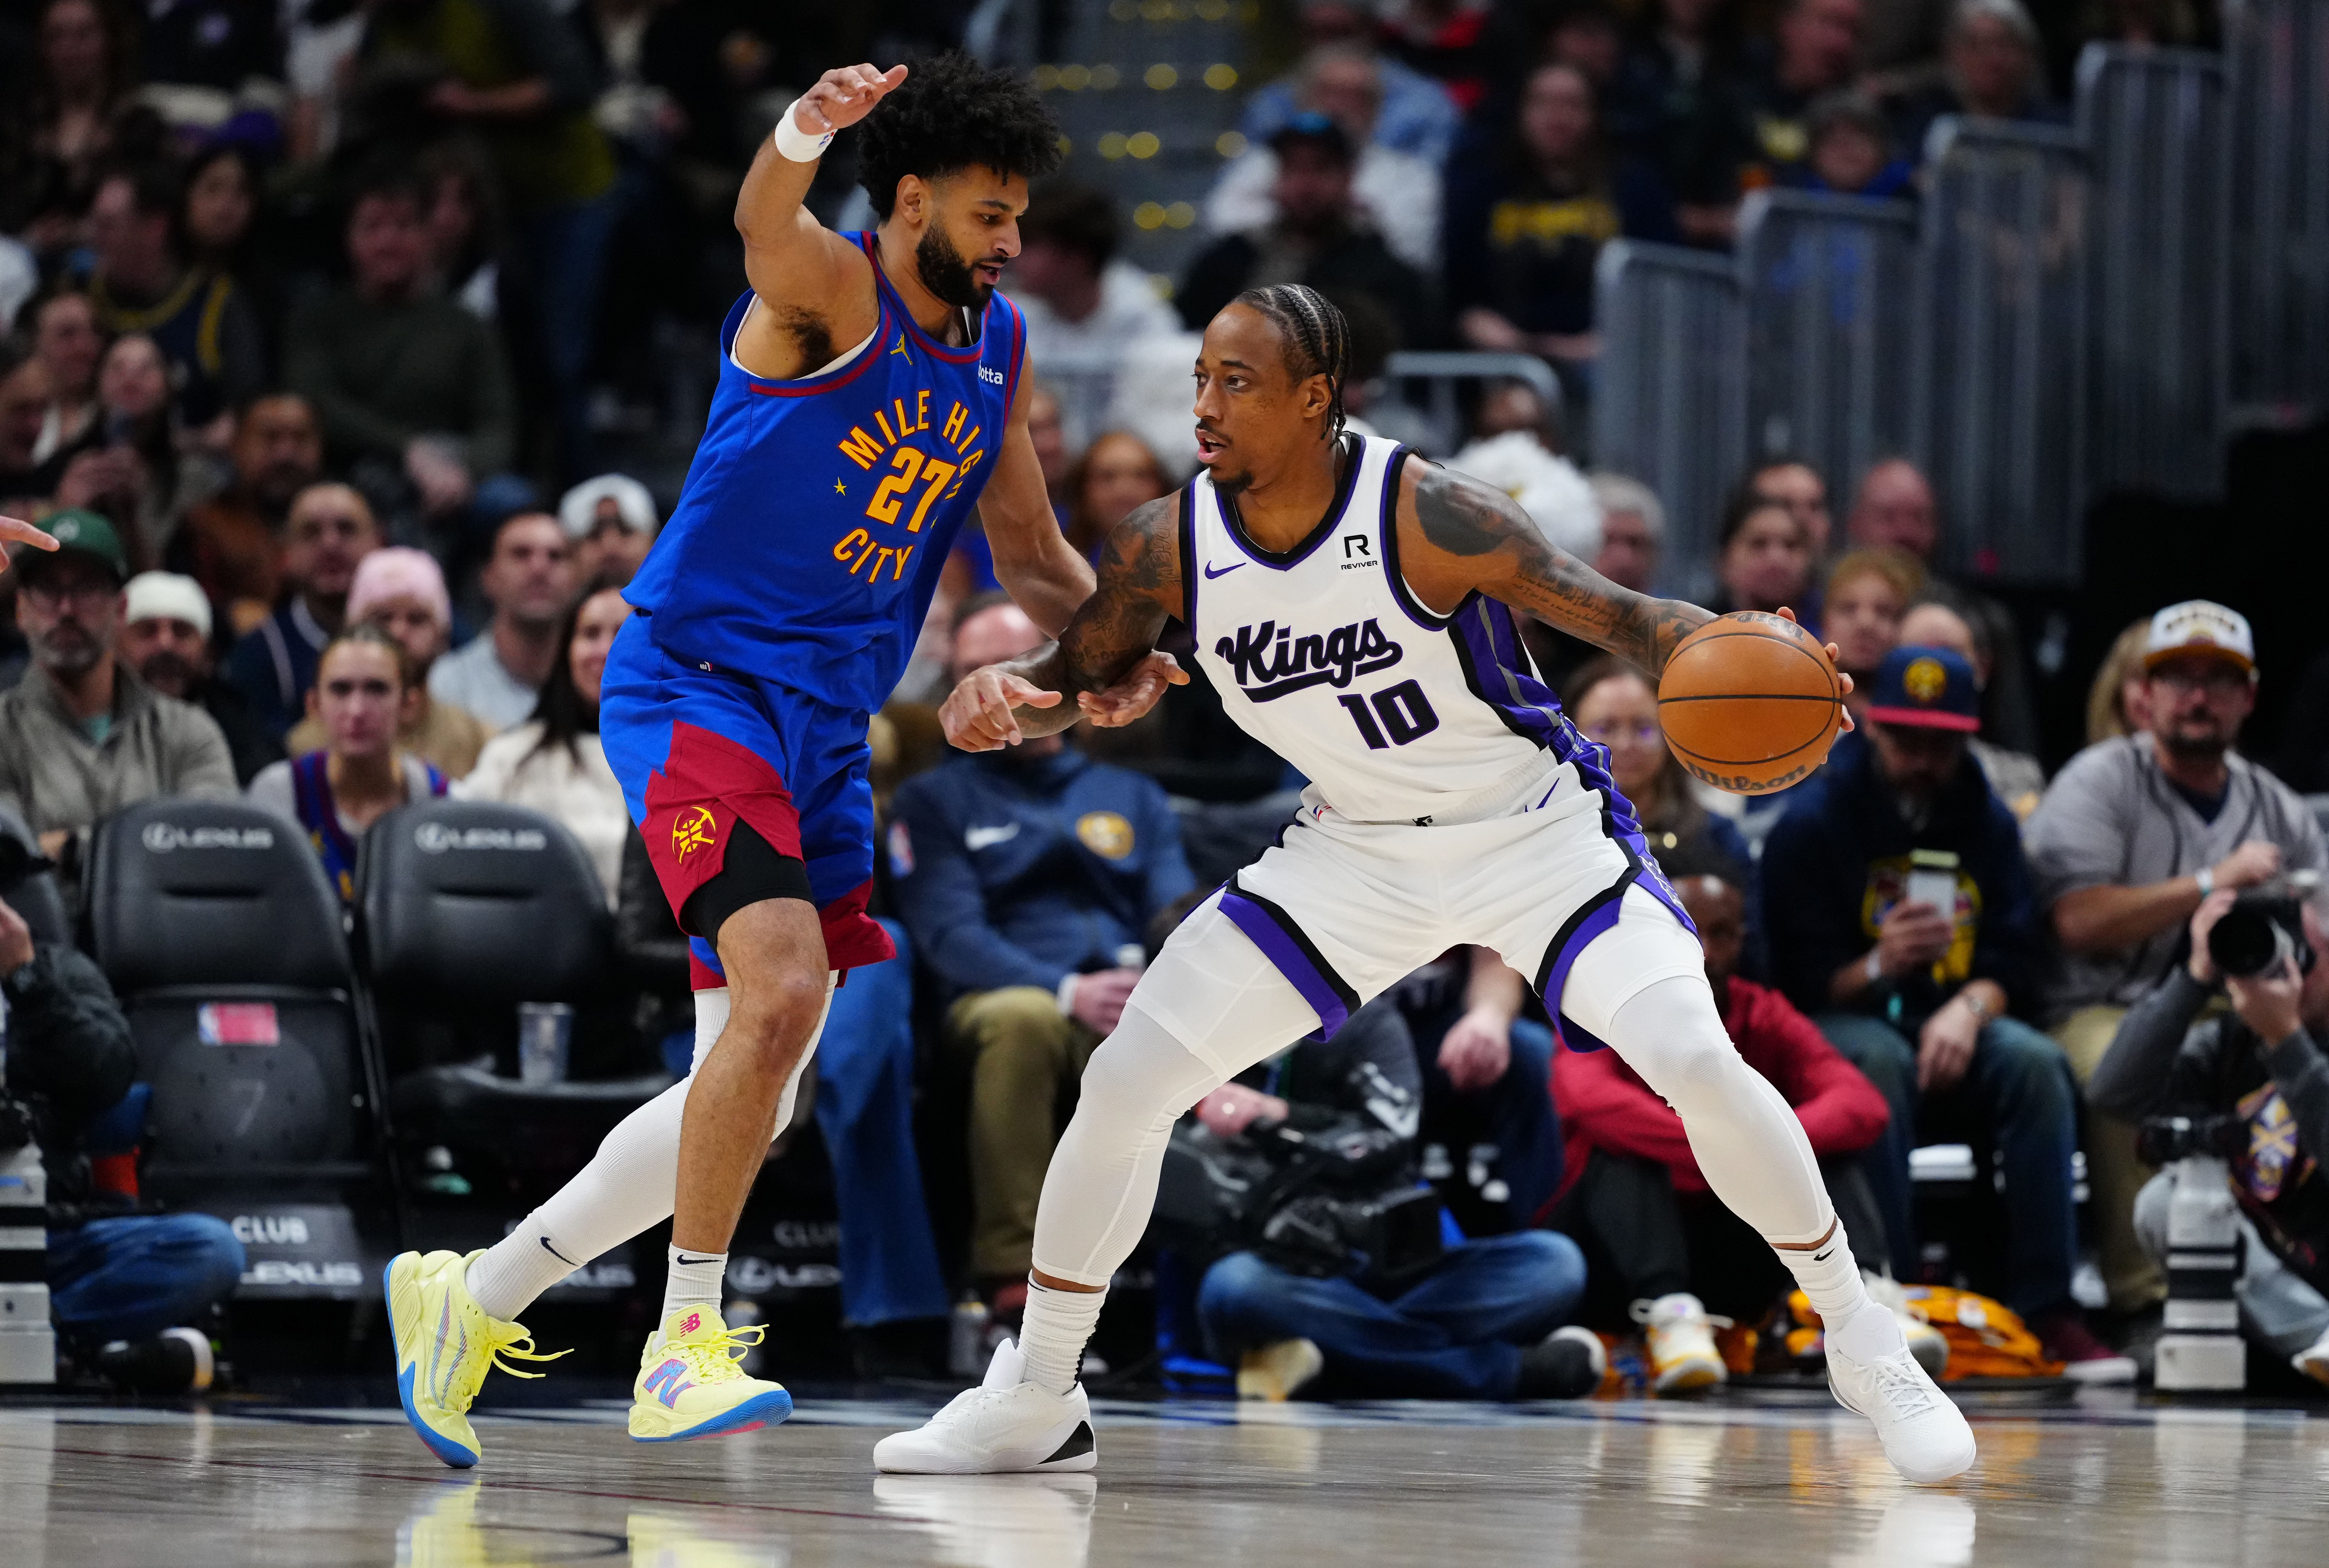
1536, 868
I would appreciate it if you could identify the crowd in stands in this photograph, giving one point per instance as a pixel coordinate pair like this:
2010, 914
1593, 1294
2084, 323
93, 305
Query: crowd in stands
319, 321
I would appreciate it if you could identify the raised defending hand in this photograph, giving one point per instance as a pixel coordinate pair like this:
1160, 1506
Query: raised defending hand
25, 533
843, 96
978, 713
1833, 654
1140, 690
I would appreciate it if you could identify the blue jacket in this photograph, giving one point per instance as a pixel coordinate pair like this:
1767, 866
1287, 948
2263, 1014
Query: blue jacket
1019, 871
1838, 860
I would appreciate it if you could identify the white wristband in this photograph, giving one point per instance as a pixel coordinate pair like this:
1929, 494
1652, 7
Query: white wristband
1067, 995
796, 144
2206, 877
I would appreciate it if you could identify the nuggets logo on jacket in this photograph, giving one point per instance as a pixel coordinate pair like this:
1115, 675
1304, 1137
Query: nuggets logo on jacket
916, 464
1925, 681
693, 830
1106, 834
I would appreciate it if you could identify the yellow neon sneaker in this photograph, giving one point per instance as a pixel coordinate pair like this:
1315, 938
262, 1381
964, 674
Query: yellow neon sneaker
690, 1386
445, 1345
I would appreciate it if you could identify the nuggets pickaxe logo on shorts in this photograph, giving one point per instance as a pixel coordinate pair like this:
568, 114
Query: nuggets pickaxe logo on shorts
692, 830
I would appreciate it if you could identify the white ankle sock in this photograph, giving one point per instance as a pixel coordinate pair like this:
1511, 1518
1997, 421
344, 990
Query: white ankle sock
1054, 1331
693, 1280
1829, 1277
521, 1266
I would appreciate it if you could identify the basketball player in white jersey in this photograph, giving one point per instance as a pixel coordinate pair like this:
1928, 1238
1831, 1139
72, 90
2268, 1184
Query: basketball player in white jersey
1352, 604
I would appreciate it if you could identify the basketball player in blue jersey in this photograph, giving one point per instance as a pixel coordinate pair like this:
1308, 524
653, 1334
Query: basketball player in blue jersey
1352, 605
872, 389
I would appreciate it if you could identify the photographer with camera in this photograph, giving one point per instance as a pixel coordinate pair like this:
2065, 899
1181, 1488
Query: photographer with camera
2253, 1085
118, 1280
1300, 1179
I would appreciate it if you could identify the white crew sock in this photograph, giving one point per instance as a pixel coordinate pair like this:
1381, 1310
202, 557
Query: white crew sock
693, 1280
1830, 1278
1054, 1332
506, 1277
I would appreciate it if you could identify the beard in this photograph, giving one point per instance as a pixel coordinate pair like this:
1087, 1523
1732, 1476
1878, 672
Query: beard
946, 274
2193, 747
169, 674
66, 649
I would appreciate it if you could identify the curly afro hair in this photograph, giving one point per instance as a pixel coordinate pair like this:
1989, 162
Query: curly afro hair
952, 113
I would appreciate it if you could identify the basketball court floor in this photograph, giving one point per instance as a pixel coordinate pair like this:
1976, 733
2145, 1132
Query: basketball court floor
252, 1483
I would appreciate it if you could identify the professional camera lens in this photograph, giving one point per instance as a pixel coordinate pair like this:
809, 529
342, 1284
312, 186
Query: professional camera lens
2253, 935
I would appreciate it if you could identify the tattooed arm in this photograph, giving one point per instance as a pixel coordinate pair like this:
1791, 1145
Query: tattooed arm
1456, 535
1106, 657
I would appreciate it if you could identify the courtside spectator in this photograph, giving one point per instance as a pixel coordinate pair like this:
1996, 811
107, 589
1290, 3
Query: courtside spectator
1026, 877
1613, 705
1851, 152
1658, 1247
1526, 225
1416, 116
65, 335
124, 1287
144, 283
2118, 702
1895, 510
233, 543
222, 233
1868, 592
27, 482
409, 385
327, 533
1763, 558
401, 591
165, 638
1759, 127
135, 474
1993, 69
1316, 236
530, 580
1917, 987
1117, 474
1632, 531
1398, 194
80, 735
57, 137
1082, 302
553, 762
1797, 486
361, 774
2132, 837
612, 520
2016, 778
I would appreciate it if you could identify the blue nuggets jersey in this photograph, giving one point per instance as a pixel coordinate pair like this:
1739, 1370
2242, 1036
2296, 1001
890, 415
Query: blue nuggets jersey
818, 513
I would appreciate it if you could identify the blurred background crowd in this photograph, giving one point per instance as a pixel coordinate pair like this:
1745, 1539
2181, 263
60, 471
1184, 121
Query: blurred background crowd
356, 351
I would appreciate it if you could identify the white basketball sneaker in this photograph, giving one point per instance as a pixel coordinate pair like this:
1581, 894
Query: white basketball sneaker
1005, 1425
1871, 1373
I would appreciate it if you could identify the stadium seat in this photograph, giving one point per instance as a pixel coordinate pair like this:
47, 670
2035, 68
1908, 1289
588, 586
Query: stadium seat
464, 911
227, 948
36, 898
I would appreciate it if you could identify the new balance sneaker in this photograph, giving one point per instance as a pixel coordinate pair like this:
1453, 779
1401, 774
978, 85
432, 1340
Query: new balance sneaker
445, 1345
1005, 1425
2084, 1357
1872, 1374
1680, 1339
1275, 1373
1928, 1343
691, 1386
2314, 1361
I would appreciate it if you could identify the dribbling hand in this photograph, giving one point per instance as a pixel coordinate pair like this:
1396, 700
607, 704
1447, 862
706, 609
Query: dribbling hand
1131, 698
1842, 681
25, 533
843, 96
978, 716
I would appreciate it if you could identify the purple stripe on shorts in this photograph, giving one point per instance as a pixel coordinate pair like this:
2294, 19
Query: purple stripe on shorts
1280, 948
1557, 977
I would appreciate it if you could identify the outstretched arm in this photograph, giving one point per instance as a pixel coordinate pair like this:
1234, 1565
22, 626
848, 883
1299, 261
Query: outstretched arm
1106, 657
1456, 535
1032, 559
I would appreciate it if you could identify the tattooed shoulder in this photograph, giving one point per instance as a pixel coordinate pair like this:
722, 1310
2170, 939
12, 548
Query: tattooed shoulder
1459, 515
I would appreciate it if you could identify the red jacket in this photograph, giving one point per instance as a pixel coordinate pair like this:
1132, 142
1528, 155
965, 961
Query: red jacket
1603, 1104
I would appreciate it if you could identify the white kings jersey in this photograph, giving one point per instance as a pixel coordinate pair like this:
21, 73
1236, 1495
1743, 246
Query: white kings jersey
1322, 654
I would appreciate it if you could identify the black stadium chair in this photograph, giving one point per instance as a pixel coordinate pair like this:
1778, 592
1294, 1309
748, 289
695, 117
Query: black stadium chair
227, 948
466, 910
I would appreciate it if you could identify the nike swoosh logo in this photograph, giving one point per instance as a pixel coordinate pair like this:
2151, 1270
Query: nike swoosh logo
1225, 571
684, 1258
983, 837
556, 1253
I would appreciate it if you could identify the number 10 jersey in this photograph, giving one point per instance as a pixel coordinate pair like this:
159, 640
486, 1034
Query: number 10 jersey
1323, 654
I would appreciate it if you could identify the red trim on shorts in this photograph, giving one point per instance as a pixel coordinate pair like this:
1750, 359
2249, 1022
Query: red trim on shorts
706, 784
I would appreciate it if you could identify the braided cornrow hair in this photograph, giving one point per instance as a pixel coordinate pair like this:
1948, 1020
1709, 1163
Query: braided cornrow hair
1317, 339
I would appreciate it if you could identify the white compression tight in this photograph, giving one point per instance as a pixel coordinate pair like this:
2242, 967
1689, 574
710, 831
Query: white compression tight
1233, 1009
630, 1184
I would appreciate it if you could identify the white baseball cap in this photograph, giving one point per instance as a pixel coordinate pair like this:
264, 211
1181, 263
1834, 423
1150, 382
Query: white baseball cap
2199, 626
578, 509
154, 595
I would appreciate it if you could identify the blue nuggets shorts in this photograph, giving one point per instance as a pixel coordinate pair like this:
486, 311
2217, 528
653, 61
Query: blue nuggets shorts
698, 750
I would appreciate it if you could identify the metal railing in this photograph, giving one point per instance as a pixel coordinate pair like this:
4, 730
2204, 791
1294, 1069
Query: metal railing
2277, 52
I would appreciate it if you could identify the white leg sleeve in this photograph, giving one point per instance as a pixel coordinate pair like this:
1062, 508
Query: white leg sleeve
1102, 1180
630, 1184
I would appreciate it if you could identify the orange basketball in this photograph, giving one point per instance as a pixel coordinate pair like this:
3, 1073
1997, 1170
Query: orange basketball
1749, 703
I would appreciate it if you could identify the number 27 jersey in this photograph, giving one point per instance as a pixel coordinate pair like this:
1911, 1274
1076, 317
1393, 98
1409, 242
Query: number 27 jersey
1322, 654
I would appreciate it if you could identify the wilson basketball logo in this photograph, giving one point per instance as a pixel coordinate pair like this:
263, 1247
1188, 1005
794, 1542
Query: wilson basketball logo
694, 830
